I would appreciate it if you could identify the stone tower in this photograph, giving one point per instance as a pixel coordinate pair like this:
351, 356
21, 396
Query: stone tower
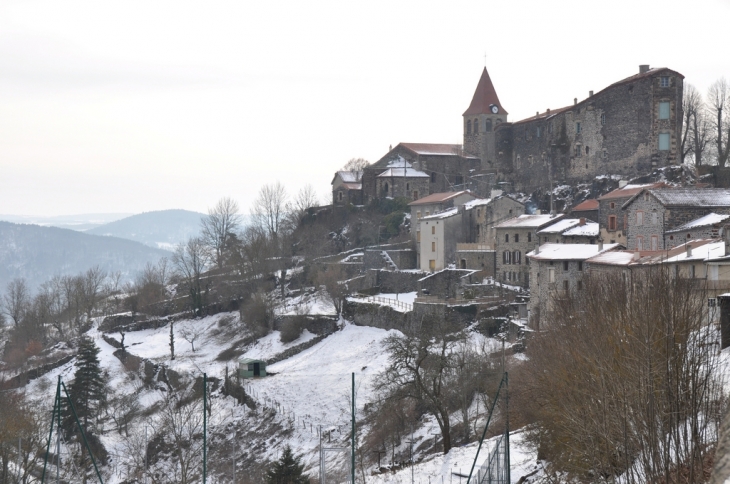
481, 119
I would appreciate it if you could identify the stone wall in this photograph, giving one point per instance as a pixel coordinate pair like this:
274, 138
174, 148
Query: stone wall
618, 134
480, 260
543, 292
375, 315
444, 284
403, 258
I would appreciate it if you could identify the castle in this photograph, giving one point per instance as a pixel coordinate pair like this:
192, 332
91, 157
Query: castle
627, 129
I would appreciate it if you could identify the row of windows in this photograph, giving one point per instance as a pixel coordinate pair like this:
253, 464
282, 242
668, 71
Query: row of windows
516, 237
653, 220
512, 257
475, 125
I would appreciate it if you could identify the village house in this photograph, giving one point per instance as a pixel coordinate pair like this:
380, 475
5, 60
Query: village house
555, 271
347, 188
481, 215
436, 202
438, 237
611, 217
515, 238
401, 180
710, 226
652, 212
587, 210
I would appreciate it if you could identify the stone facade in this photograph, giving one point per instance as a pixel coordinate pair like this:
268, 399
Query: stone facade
515, 238
615, 131
651, 213
434, 203
477, 257
481, 216
447, 167
347, 188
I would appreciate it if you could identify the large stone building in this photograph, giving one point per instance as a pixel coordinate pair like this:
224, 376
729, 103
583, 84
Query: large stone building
628, 128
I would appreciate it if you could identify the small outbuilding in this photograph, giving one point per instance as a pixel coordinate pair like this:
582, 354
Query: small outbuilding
250, 368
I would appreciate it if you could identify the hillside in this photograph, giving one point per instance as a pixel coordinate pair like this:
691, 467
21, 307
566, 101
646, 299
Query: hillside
37, 253
161, 229
80, 222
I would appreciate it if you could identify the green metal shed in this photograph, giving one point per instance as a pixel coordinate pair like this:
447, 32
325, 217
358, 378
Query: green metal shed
250, 368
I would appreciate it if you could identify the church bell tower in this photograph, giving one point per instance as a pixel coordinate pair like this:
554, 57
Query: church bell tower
482, 117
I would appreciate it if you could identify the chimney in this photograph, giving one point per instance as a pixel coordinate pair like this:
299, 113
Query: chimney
643, 68
590, 93
689, 250
582, 221
637, 255
600, 245
575, 101
537, 248
537, 114
622, 183
548, 110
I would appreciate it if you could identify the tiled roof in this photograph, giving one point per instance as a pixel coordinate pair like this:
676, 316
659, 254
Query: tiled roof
590, 204
352, 186
628, 191
484, 96
527, 221
590, 229
440, 197
693, 197
546, 115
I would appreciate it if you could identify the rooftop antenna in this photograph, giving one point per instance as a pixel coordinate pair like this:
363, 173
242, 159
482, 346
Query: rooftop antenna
485, 59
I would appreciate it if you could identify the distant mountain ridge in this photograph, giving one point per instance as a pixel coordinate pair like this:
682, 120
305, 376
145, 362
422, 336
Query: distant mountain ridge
160, 229
38, 253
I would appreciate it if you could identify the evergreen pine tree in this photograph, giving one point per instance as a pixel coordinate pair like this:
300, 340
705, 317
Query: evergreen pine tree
88, 389
287, 470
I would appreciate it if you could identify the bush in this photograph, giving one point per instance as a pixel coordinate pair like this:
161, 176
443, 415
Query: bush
291, 328
257, 314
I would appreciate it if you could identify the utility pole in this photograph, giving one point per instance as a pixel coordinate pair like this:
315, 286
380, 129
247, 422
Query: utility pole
145, 454
205, 426
353, 427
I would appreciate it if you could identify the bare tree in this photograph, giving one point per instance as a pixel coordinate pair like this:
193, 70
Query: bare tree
718, 101
269, 210
694, 125
356, 165
16, 300
625, 382
191, 260
91, 286
222, 222
191, 334
335, 289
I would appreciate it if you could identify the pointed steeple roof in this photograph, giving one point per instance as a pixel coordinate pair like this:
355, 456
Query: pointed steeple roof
484, 96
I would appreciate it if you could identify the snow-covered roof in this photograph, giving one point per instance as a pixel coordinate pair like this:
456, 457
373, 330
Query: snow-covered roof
569, 251
709, 219
477, 203
399, 162
560, 226
350, 176
699, 253
443, 214
398, 172
613, 258
589, 229
529, 221
692, 197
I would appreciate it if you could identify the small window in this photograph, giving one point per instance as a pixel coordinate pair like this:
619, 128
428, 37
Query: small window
612, 205
433, 177
408, 186
639, 218
663, 141
433, 229
639, 243
605, 154
468, 127
339, 196
577, 127
517, 238
385, 188
612, 223
580, 266
565, 285
587, 151
433, 246
654, 218
550, 127
517, 257
664, 110
576, 151
506, 256
506, 237
488, 125
476, 126
664, 81
566, 265
529, 236
551, 274
692, 271
415, 194
603, 119
712, 302
537, 131
654, 242
579, 285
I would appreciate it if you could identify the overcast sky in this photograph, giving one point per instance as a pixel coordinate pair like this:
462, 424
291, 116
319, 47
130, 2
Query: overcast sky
134, 106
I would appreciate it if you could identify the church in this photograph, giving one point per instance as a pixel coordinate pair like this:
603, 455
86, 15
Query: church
628, 129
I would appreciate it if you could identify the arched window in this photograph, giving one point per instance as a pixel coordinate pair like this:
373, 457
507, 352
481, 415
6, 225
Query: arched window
476, 126
488, 126
468, 127
517, 257
339, 196
408, 186
506, 256
385, 188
